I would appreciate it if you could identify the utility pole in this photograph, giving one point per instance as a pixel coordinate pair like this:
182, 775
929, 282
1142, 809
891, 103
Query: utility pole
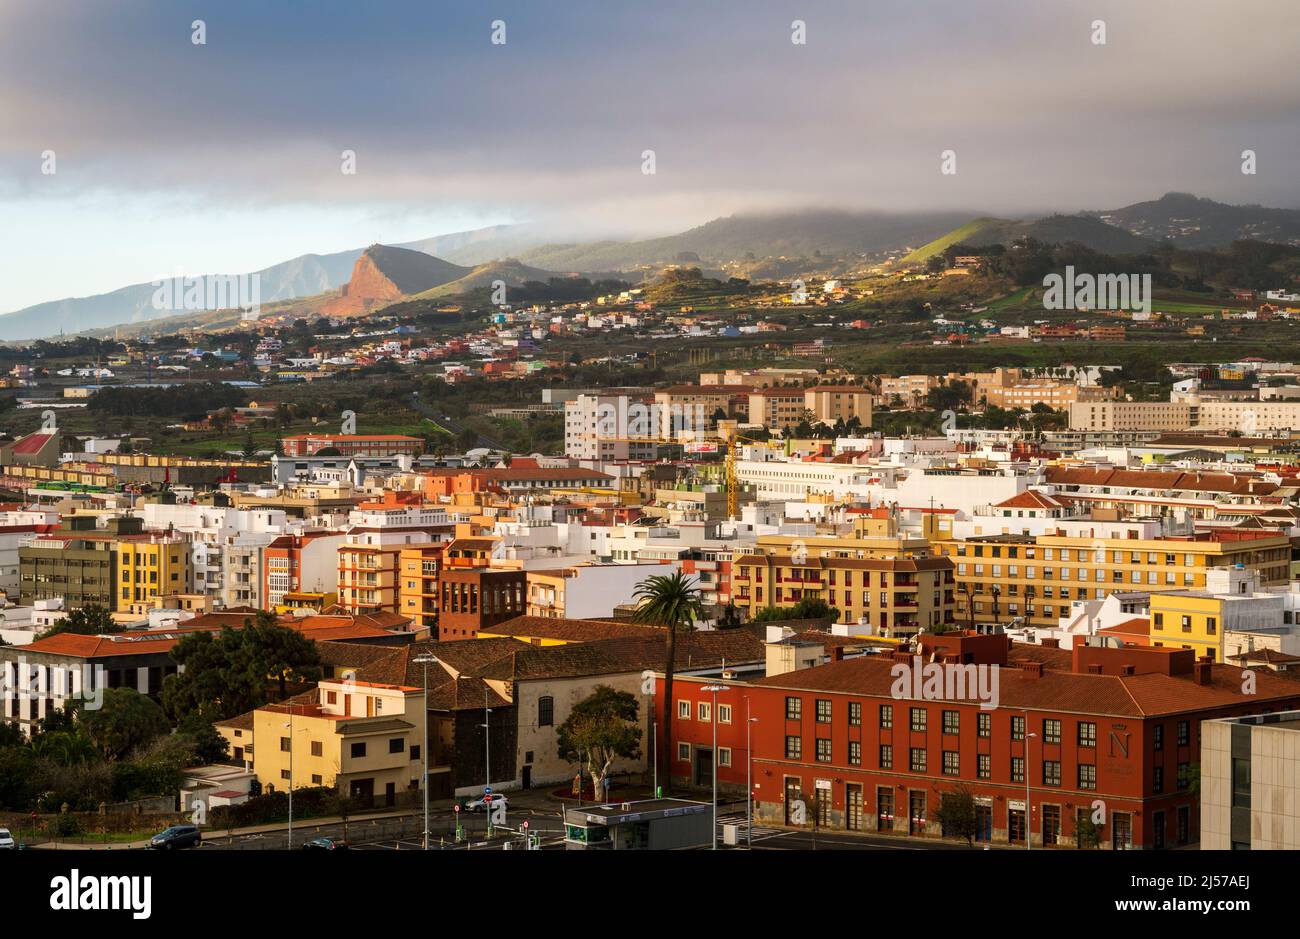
426, 661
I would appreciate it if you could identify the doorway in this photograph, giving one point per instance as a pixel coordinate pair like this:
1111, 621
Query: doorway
793, 795
703, 766
853, 806
916, 813
884, 809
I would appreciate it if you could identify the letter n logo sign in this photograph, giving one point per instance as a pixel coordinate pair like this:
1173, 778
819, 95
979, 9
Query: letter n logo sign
1119, 742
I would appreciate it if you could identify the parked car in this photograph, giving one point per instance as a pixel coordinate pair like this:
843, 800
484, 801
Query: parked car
7, 842
484, 802
178, 836
325, 844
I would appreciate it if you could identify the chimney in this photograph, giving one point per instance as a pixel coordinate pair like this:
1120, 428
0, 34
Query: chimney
1032, 669
1051, 642
1127, 670
1094, 668
1202, 672
837, 653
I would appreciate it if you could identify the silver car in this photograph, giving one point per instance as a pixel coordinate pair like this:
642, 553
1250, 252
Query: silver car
6, 840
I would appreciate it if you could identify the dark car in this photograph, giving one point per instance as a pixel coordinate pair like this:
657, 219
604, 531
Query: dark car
178, 836
325, 844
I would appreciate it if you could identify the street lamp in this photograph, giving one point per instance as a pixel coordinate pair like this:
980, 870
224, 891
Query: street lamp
715, 689
749, 776
426, 660
1028, 813
289, 724
487, 757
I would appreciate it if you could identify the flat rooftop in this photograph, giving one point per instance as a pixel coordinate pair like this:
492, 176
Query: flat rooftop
614, 813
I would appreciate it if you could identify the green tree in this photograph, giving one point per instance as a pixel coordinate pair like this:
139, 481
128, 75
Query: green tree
209, 746
125, 721
88, 620
602, 728
956, 814
672, 602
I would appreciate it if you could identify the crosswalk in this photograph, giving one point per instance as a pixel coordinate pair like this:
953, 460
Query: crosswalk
761, 833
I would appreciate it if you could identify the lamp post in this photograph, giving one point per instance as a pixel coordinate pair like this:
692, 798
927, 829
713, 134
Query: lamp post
289, 724
713, 842
487, 758
1028, 813
426, 660
749, 776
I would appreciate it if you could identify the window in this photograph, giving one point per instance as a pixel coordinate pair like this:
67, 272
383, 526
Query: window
793, 748
546, 711
1158, 779
1240, 784
704, 711
1017, 769
952, 722
358, 750
396, 745
886, 756
1087, 734
316, 779
684, 710
855, 713
284, 774
951, 763
984, 725
724, 713
684, 752
415, 752
1087, 776
1184, 733
1184, 775
918, 759
724, 756
984, 766
793, 709
1051, 772
823, 711
918, 719
823, 750
284, 744
1158, 736
1051, 731
855, 753
887, 716
1017, 728
316, 748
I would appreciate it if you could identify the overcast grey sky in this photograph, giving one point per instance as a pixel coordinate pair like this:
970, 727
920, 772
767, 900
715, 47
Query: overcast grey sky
226, 156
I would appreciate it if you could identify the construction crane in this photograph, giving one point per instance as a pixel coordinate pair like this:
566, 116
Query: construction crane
730, 445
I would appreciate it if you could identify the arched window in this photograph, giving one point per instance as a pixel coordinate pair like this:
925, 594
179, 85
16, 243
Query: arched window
545, 711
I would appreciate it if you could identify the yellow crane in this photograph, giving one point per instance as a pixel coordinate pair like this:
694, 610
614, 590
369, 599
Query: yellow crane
730, 445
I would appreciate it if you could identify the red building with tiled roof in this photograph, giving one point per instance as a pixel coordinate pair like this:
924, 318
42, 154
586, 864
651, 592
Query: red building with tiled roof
1108, 734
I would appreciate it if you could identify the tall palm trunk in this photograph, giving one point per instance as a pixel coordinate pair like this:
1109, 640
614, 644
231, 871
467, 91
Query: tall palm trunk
671, 644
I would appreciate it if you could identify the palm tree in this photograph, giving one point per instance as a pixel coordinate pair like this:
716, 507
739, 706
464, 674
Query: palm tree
673, 602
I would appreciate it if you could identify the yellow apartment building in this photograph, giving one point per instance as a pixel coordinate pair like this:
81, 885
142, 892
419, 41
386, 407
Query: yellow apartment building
896, 585
829, 403
1003, 577
150, 568
364, 739
418, 588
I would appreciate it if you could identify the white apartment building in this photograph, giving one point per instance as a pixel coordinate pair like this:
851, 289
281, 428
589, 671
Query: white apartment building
596, 427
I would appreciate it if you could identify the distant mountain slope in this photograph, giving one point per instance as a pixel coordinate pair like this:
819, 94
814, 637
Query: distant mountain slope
385, 274
513, 272
303, 276
1061, 229
959, 235
1192, 222
790, 234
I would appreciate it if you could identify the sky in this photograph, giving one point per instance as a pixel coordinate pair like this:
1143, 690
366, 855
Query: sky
226, 156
